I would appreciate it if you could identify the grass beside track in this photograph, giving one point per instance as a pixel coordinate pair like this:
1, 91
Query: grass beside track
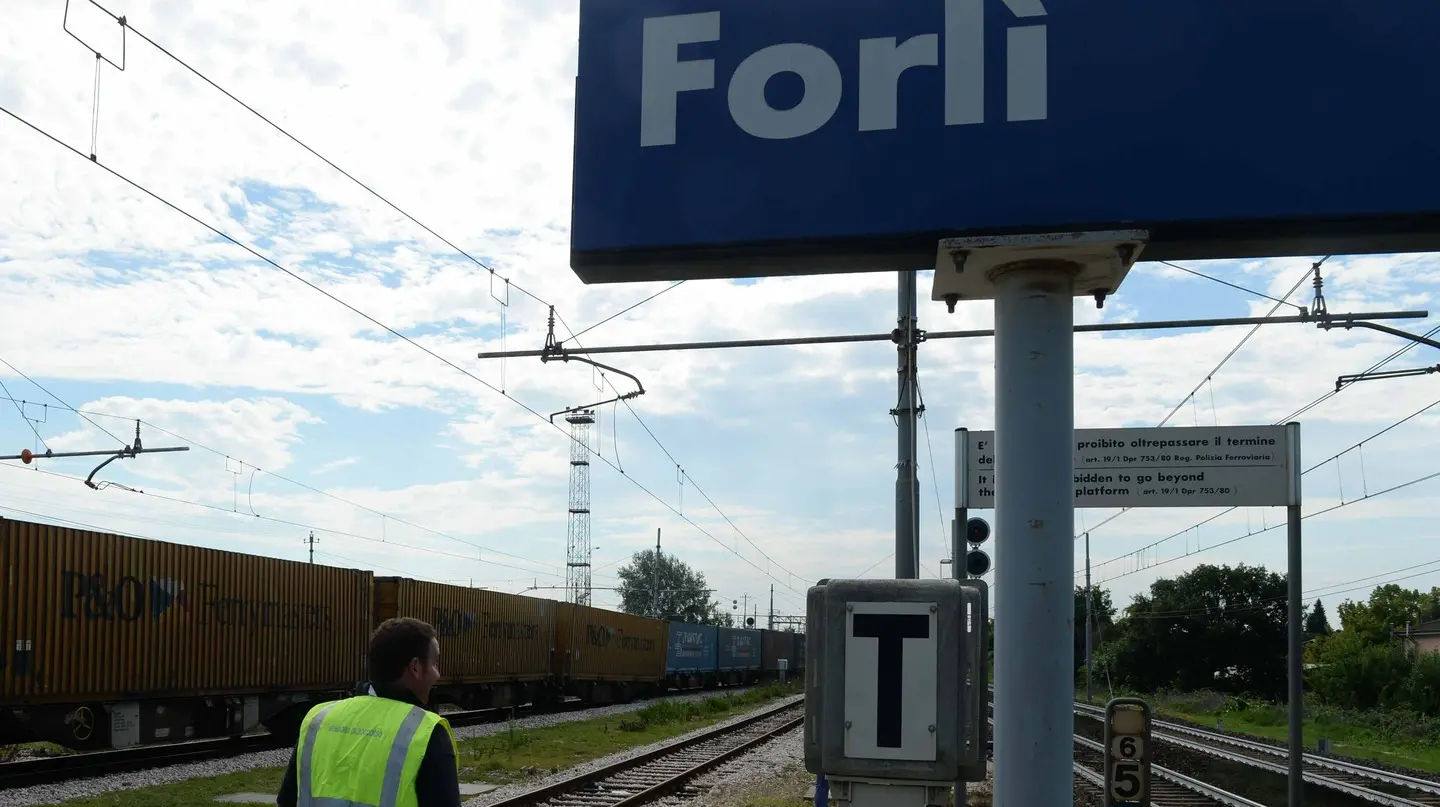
512, 755
1360, 735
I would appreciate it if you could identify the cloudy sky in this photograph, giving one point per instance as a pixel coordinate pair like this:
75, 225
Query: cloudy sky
760, 466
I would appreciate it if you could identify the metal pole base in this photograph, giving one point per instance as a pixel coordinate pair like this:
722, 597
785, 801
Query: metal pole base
866, 793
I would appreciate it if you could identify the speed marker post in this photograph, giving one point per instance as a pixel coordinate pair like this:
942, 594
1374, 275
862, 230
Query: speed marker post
1127, 753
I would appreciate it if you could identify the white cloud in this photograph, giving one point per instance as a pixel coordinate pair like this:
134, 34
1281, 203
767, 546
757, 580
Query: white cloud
460, 113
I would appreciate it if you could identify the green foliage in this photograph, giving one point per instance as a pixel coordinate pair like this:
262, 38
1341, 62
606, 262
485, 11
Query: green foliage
682, 590
1316, 622
1102, 612
1221, 632
1214, 627
664, 713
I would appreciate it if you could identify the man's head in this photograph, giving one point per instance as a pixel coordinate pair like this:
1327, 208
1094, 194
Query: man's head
405, 652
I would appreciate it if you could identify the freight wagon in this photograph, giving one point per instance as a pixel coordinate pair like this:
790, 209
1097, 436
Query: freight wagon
608, 657
692, 656
496, 649
739, 652
114, 641
777, 646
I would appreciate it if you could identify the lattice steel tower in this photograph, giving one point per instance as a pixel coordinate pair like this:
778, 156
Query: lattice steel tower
577, 545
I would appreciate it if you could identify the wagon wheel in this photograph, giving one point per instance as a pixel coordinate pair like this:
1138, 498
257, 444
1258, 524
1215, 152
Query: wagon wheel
82, 721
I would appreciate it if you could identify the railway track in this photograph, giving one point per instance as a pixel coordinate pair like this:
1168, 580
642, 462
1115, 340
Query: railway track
1369, 784
49, 770
1167, 787
668, 770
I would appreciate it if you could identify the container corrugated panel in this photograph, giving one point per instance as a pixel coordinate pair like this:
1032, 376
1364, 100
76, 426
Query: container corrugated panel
739, 649
91, 616
778, 645
691, 648
800, 649
485, 636
610, 646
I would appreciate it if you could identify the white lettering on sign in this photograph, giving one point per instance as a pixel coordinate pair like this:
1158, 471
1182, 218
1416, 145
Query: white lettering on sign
663, 75
1232, 466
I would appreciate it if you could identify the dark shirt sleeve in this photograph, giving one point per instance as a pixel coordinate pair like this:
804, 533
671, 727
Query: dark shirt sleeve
288, 796
437, 783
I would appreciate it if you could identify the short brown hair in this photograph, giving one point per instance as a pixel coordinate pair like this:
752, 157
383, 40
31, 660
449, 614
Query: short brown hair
394, 644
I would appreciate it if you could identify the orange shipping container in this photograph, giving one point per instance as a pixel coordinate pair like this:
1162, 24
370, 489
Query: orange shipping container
600, 645
485, 636
89, 617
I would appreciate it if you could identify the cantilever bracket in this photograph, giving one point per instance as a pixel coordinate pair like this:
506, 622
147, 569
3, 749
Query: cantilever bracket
623, 397
1346, 380
1327, 322
27, 456
555, 351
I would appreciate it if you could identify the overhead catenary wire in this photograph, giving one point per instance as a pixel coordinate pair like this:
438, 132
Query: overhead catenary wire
625, 310
685, 475
284, 522
1235, 286
946, 549
1364, 498
129, 26
257, 469
1314, 268
1332, 458
1315, 593
292, 274
45, 390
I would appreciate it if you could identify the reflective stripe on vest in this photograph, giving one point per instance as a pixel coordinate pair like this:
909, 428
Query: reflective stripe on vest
399, 751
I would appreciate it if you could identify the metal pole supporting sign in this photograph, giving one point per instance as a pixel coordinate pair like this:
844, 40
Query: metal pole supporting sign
1127, 753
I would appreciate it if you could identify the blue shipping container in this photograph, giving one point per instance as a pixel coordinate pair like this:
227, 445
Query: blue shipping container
739, 649
691, 649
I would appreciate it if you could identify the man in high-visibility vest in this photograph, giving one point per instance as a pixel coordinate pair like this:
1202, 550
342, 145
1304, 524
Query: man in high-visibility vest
384, 748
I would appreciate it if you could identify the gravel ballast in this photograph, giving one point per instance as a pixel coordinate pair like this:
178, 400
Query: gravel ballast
517, 788
82, 788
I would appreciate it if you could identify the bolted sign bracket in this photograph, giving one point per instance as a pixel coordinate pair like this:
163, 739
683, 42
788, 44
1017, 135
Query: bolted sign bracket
1128, 752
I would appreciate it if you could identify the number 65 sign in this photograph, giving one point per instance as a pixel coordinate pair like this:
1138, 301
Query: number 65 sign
1127, 750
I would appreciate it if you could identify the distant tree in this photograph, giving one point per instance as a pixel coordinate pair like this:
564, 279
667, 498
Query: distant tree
683, 595
1389, 609
1104, 620
1316, 623
1214, 627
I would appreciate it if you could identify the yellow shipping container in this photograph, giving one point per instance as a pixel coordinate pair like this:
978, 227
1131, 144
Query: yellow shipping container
599, 645
485, 636
92, 617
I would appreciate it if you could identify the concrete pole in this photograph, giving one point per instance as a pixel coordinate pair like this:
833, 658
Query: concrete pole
655, 578
1089, 623
1035, 511
1296, 624
958, 548
907, 488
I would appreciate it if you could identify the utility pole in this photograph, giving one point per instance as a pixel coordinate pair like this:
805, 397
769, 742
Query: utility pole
744, 609
312, 541
655, 577
907, 484
1089, 621
770, 621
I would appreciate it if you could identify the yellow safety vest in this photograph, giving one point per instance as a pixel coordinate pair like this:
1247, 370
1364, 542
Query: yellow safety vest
363, 752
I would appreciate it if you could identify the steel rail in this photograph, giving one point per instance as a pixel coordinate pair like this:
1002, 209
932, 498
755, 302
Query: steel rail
1174, 782
583, 781
90, 764
1162, 732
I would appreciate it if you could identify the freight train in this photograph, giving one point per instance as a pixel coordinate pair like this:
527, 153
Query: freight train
109, 641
